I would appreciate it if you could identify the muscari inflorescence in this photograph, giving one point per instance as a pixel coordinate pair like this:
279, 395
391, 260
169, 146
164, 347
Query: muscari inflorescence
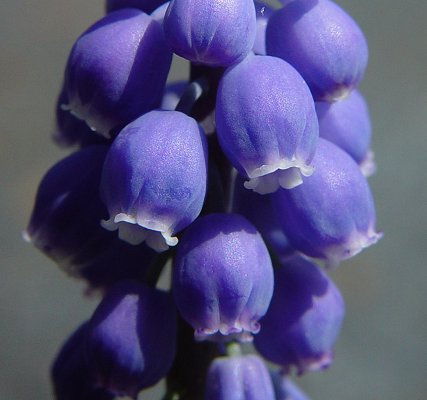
242, 177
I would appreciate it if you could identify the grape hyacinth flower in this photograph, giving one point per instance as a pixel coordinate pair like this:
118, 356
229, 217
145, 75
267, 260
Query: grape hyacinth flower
154, 178
346, 123
266, 123
322, 42
71, 376
64, 223
117, 70
331, 215
211, 32
303, 320
242, 377
172, 94
222, 278
131, 338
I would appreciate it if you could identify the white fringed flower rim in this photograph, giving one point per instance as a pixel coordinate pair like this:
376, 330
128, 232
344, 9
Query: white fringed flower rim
285, 173
226, 332
354, 245
367, 165
133, 231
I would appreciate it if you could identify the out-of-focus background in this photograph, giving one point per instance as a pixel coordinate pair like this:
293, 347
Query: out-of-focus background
382, 351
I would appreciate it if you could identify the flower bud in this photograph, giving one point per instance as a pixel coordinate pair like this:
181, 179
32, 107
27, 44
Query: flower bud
70, 372
211, 32
117, 70
266, 123
346, 123
238, 378
332, 214
131, 338
322, 42
222, 277
172, 95
303, 320
64, 223
154, 178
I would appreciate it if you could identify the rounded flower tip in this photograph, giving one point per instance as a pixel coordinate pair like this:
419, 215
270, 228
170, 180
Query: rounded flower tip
227, 332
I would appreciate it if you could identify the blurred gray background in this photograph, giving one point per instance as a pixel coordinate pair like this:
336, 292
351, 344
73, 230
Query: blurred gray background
382, 351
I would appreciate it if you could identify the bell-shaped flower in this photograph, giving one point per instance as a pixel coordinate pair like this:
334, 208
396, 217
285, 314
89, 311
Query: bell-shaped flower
263, 13
211, 32
70, 372
331, 215
347, 124
130, 342
222, 278
64, 223
144, 5
154, 178
322, 42
242, 377
285, 389
117, 70
303, 320
259, 210
266, 123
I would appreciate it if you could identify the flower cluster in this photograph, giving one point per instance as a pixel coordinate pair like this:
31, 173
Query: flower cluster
242, 178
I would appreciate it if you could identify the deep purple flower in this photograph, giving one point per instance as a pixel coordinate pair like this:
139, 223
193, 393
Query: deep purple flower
64, 223
332, 214
266, 123
211, 32
304, 318
131, 338
117, 70
322, 42
154, 178
222, 277
239, 378
347, 124
71, 376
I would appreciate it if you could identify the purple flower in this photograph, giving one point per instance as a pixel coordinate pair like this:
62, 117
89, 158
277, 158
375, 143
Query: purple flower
172, 95
71, 376
222, 277
154, 178
64, 223
117, 70
211, 32
266, 123
303, 320
239, 378
346, 123
131, 338
322, 42
332, 214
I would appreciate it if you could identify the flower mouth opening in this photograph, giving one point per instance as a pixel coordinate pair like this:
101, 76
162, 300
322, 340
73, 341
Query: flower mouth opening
154, 234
